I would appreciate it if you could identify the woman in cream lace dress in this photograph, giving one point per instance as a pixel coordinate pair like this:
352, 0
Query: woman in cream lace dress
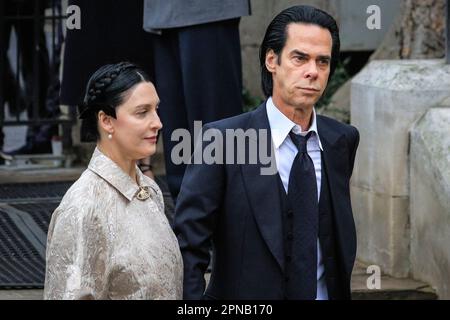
109, 237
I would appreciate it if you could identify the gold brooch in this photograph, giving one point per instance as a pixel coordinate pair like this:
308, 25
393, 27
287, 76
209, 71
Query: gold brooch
143, 193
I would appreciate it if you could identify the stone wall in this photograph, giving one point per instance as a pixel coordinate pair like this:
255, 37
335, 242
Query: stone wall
430, 199
387, 97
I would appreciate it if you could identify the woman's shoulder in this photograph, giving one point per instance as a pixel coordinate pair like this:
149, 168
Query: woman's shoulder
79, 206
82, 194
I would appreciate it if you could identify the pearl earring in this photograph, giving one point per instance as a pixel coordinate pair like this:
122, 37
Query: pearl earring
110, 136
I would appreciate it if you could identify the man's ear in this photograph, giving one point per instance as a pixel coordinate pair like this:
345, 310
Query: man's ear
105, 123
271, 60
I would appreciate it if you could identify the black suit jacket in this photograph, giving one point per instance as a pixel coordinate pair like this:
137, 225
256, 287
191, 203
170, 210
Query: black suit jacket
239, 210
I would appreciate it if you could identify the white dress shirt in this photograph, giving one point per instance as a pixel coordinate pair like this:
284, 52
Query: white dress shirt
285, 152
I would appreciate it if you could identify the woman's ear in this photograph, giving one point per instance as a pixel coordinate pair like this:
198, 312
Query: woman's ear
271, 60
105, 123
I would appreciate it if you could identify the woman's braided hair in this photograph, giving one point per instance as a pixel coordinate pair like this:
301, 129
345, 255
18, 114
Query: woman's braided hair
104, 92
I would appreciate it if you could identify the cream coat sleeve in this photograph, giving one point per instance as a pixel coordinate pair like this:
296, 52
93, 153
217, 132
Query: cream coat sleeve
76, 255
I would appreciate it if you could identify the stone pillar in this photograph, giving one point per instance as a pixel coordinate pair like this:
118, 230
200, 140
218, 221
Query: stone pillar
387, 98
430, 199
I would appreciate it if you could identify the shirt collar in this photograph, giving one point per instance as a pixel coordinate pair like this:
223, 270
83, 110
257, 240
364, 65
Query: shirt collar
114, 175
280, 125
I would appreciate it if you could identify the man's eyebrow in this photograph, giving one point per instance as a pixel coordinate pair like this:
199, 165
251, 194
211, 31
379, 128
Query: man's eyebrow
304, 54
327, 57
300, 53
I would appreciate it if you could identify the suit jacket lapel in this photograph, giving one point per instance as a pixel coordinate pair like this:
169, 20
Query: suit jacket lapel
335, 155
262, 192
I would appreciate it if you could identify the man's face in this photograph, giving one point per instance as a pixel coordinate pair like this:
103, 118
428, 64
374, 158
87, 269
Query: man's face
301, 76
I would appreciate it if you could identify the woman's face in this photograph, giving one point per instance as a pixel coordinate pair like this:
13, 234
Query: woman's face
137, 124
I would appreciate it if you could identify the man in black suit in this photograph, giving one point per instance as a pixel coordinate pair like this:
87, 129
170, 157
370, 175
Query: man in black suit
288, 235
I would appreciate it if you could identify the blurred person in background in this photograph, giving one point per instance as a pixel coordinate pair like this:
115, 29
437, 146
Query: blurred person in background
38, 137
197, 60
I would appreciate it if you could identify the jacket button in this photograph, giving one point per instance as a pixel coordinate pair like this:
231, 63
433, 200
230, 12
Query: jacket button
290, 214
290, 236
288, 258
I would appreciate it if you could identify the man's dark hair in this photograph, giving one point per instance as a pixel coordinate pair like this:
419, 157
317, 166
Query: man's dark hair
105, 91
276, 36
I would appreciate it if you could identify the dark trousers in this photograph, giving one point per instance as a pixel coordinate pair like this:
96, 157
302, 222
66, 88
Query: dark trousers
17, 98
198, 75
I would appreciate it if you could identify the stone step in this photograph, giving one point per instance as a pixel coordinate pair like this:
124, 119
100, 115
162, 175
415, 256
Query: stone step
390, 288
25, 294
